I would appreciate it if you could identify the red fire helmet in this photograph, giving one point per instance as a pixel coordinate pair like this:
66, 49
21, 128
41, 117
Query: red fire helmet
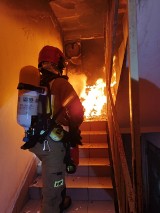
50, 54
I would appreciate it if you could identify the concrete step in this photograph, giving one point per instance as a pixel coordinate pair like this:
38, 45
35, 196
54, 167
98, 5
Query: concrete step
91, 207
94, 145
94, 162
93, 158
89, 167
93, 150
93, 167
91, 186
94, 125
94, 136
80, 188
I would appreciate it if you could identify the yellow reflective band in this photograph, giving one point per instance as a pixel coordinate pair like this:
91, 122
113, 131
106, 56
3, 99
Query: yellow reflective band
68, 100
58, 183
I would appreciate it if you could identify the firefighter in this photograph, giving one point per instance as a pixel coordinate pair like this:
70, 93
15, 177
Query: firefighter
60, 126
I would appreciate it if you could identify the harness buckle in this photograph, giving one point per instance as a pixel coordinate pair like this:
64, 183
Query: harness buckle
46, 146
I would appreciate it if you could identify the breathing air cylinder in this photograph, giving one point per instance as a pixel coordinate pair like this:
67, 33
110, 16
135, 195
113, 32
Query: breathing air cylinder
27, 106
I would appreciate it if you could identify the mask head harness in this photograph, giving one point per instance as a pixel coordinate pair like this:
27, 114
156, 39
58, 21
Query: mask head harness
51, 62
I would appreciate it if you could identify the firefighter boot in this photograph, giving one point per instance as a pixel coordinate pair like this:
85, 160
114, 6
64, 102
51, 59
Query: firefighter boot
66, 201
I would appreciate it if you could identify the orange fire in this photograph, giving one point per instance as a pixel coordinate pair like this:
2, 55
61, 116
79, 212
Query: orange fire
94, 101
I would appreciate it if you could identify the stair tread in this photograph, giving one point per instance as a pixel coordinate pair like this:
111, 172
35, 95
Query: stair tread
94, 162
93, 132
94, 125
89, 163
32, 206
81, 182
89, 182
93, 145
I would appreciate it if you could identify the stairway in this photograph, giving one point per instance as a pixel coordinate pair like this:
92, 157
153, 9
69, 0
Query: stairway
90, 187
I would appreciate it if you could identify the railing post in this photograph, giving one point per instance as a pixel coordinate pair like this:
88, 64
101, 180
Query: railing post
134, 105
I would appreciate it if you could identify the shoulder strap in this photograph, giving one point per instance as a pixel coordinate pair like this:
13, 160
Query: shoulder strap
49, 98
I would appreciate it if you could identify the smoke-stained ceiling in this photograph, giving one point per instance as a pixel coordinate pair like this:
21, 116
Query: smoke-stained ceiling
83, 27
84, 21
80, 19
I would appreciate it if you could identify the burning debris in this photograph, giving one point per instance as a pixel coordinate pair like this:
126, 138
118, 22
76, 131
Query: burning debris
93, 97
94, 101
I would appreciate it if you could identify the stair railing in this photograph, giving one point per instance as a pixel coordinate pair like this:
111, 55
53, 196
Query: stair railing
123, 183
121, 177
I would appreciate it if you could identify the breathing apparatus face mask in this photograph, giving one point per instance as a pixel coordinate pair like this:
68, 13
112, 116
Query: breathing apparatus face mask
50, 67
48, 72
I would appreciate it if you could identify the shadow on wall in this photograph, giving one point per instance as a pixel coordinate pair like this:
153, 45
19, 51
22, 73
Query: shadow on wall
149, 103
122, 101
149, 95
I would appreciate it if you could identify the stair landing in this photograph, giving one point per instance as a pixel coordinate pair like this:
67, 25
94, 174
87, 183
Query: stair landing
76, 207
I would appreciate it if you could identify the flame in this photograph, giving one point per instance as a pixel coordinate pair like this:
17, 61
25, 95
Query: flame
94, 100
114, 76
93, 97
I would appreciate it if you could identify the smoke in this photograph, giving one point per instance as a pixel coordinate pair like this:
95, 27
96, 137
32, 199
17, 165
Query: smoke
78, 81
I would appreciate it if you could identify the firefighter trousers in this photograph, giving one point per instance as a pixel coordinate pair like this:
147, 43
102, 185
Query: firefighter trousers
53, 174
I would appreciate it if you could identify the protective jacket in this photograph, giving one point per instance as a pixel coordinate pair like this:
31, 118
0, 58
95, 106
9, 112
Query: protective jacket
65, 96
